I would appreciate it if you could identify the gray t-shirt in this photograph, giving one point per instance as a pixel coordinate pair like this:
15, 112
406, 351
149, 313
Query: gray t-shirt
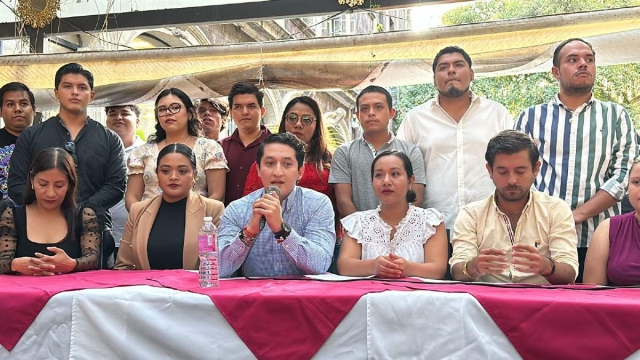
351, 164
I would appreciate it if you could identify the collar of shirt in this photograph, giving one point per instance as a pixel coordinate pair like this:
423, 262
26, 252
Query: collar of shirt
264, 132
86, 120
525, 210
579, 109
372, 148
284, 204
436, 100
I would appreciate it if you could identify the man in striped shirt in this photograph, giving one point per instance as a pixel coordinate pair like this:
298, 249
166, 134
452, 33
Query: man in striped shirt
586, 145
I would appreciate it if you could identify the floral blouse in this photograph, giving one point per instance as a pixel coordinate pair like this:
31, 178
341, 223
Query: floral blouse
369, 230
143, 160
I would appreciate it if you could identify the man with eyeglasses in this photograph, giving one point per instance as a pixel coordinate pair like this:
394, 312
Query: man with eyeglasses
351, 164
18, 111
240, 149
212, 113
97, 151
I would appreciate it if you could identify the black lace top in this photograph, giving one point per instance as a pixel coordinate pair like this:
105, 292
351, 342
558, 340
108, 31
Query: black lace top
14, 242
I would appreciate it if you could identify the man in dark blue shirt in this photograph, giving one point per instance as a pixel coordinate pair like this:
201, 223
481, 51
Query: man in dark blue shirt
18, 108
97, 151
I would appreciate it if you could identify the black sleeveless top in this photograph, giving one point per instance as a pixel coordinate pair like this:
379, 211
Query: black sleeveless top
28, 248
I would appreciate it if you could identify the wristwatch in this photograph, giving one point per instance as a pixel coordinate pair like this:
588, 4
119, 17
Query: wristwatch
284, 233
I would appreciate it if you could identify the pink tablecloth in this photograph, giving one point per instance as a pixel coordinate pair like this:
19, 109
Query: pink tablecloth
22, 297
293, 318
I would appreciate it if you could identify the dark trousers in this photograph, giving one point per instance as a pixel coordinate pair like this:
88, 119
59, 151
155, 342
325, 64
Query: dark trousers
582, 254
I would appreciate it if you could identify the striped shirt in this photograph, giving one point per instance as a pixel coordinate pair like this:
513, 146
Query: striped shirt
582, 151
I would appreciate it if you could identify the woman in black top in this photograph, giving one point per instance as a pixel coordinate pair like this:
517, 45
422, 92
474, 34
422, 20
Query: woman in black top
162, 232
49, 234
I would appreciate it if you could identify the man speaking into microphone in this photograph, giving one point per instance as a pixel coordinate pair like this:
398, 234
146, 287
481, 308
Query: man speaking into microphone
281, 229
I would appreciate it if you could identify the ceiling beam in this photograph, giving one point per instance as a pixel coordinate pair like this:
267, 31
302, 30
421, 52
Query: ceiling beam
228, 13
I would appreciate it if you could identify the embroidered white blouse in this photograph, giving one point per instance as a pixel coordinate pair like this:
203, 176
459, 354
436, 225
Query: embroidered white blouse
369, 230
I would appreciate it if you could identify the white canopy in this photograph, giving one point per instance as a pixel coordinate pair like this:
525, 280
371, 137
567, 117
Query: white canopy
386, 59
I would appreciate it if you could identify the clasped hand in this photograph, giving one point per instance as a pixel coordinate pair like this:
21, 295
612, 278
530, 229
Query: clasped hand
391, 267
525, 259
44, 265
269, 207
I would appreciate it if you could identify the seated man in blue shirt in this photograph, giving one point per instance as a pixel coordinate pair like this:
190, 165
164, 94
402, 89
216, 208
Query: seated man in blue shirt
299, 235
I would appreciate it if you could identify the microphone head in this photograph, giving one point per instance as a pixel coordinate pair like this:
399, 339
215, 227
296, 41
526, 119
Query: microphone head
273, 190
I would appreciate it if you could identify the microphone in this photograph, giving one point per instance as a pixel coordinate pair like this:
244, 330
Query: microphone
270, 190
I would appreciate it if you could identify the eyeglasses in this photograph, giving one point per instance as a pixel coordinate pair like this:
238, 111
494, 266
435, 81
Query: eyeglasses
305, 119
172, 109
70, 147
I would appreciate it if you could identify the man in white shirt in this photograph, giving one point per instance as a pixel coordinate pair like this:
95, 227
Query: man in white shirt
123, 120
452, 130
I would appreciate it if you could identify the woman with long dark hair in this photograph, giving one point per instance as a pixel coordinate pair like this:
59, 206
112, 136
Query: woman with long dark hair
162, 232
176, 122
49, 234
302, 117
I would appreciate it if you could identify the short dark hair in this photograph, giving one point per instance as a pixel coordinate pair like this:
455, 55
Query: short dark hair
375, 89
73, 68
451, 50
242, 88
511, 142
408, 168
220, 107
556, 52
133, 108
286, 139
317, 150
177, 148
16, 86
56, 158
193, 124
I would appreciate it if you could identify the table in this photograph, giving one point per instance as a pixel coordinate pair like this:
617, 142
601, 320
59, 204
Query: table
145, 322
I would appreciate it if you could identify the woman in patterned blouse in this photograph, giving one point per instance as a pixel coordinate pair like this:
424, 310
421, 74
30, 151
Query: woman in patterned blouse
176, 122
50, 234
397, 239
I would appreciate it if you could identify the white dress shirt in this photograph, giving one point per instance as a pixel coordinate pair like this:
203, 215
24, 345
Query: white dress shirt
454, 151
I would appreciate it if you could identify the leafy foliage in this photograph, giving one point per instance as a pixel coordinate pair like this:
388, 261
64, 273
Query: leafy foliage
618, 83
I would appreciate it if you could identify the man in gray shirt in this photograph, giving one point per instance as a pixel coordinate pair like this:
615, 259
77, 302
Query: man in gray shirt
351, 166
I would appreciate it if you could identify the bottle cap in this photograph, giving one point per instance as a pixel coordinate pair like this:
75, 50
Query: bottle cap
208, 218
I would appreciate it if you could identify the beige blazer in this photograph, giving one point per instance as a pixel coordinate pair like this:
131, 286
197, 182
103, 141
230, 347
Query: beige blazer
133, 247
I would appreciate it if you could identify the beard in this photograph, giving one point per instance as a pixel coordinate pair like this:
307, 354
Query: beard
576, 89
508, 194
453, 92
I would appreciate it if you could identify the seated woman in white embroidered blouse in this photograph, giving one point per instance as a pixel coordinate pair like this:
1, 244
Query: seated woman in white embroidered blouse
397, 239
58, 237
176, 122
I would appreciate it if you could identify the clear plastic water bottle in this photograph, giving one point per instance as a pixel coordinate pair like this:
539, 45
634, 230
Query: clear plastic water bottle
208, 252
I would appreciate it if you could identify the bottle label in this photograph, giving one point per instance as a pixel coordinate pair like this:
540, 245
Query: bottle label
206, 242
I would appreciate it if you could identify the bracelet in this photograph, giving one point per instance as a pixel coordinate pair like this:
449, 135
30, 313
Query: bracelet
553, 267
246, 237
465, 271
